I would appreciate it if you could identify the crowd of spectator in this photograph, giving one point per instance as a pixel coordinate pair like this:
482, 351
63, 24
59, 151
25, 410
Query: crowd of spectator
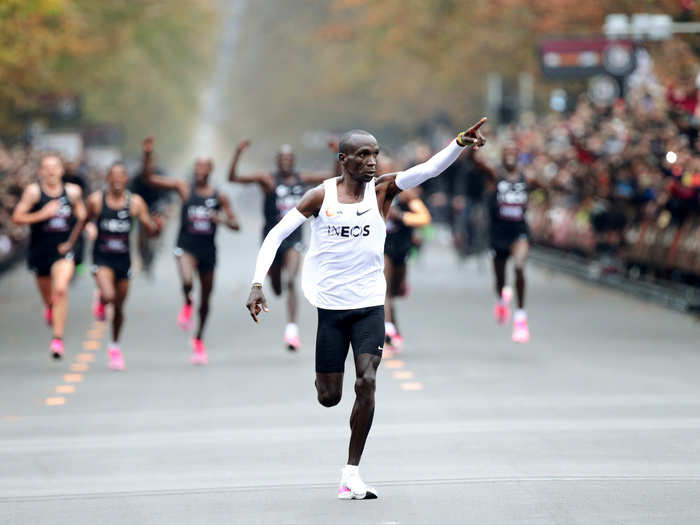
602, 174
608, 168
17, 169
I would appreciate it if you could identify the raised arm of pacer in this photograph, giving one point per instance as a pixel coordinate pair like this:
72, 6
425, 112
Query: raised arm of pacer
262, 178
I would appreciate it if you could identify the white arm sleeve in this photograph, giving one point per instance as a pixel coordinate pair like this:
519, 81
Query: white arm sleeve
432, 167
290, 222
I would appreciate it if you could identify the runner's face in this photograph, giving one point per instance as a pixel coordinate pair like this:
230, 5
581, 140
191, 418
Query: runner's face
117, 179
51, 170
285, 162
510, 157
202, 169
361, 162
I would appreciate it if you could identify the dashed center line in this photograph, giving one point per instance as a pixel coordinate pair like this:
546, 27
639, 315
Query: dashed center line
79, 366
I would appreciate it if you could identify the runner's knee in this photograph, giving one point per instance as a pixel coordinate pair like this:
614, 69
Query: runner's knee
365, 385
328, 398
60, 292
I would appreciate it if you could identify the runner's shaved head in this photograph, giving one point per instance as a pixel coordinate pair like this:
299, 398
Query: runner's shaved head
350, 140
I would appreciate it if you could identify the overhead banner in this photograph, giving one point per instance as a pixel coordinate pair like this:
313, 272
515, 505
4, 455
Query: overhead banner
585, 57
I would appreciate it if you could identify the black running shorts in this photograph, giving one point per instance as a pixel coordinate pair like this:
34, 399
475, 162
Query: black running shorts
338, 329
206, 260
41, 262
119, 264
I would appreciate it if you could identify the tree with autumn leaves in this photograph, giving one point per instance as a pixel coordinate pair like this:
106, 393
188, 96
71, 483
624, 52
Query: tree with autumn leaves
138, 63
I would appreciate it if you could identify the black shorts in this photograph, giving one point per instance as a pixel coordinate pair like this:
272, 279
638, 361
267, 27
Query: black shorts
41, 262
502, 239
120, 265
337, 329
206, 261
397, 252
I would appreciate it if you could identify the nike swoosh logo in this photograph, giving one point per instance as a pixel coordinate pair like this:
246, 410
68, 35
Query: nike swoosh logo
363, 212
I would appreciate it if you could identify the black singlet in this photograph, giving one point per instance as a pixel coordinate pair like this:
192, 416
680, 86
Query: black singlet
47, 235
399, 237
113, 229
197, 224
280, 201
508, 205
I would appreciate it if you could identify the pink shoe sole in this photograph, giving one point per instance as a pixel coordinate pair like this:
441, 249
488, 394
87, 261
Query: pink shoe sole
293, 343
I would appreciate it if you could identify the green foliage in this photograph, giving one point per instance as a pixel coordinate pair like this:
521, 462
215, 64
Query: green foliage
137, 63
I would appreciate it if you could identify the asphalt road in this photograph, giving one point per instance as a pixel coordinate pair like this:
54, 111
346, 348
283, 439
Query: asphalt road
595, 421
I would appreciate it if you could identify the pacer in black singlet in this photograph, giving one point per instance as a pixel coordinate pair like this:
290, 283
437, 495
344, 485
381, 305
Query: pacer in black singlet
282, 191
114, 210
508, 188
287, 193
407, 212
55, 213
507, 207
48, 234
203, 207
111, 247
198, 228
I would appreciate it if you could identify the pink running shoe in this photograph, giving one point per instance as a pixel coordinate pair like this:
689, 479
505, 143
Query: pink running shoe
98, 309
396, 343
521, 332
48, 315
56, 348
501, 312
199, 355
184, 318
293, 342
116, 359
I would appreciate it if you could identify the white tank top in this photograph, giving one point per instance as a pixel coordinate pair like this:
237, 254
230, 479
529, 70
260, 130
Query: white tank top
344, 266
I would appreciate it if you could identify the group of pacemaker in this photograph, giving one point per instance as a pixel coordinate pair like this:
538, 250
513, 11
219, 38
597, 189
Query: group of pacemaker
57, 215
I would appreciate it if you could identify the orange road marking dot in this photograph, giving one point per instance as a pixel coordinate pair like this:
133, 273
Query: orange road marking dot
55, 401
412, 386
11, 418
65, 389
95, 334
73, 378
91, 345
85, 358
394, 364
403, 374
79, 367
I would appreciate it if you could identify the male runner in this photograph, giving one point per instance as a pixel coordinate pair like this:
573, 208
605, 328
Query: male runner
55, 213
509, 235
343, 274
407, 212
156, 199
195, 249
283, 190
113, 210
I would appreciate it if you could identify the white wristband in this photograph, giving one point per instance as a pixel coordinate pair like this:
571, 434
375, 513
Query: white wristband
283, 229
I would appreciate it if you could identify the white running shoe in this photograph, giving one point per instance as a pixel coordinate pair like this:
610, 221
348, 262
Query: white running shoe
352, 487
